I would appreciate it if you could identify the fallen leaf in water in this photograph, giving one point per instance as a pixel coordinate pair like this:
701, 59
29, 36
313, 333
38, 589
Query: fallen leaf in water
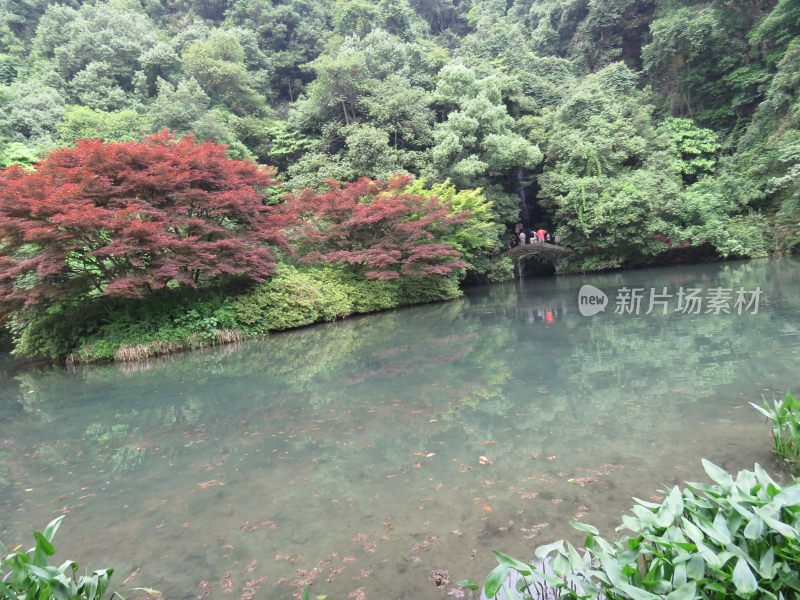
429, 454
359, 594
489, 443
227, 582
208, 484
131, 577
251, 587
551, 457
484, 460
457, 532
487, 507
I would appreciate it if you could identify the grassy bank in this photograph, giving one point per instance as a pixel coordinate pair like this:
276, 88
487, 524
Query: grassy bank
175, 320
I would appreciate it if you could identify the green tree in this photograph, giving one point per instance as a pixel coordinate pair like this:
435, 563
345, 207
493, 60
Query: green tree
605, 176
81, 122
477, 143
218, 65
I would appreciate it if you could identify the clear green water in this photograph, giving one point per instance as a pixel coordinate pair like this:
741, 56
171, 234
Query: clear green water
348, 453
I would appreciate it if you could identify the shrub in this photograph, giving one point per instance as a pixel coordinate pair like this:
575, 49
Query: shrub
736, 538
785, 418
293, 298
95, 331
369, 295
29, 574
418, 290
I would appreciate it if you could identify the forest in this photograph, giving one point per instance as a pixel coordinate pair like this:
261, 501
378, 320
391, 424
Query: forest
638, 131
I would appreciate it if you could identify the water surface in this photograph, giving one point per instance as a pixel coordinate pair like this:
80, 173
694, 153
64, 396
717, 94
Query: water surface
347, 455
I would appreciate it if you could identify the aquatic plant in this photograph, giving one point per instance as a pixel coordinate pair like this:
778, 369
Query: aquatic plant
29, 575
735, 538
784, 415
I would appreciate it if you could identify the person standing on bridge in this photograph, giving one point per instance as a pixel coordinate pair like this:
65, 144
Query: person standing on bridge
521, 238
540, 234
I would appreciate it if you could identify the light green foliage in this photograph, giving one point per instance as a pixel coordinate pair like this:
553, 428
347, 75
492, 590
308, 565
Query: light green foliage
81, 122
784, 417
696, 147
739, 236
276, 142
777, 30
15, 153
478, 144
478, 238
699, 57
293, 298
418, 290
736, 537
178, 107
709, 211
185, 108
218, 65
29, 575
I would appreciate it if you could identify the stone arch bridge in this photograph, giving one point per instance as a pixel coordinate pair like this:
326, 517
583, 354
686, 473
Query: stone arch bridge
541, 254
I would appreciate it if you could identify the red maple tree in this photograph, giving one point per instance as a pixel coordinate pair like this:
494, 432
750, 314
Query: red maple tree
126, 218
377, 227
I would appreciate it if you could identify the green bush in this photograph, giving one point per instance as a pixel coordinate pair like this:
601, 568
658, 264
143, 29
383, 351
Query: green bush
784, 415
28, 575
370, 295
736, 538
293, 298
97, 330
172, 320
418, 290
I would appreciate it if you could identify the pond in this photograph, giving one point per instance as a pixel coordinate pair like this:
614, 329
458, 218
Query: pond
349, 455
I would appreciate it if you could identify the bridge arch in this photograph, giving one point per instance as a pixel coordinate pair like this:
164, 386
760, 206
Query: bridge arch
547, 257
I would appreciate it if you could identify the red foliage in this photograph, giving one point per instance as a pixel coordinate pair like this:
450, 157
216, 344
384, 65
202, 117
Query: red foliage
378, 227
124, 218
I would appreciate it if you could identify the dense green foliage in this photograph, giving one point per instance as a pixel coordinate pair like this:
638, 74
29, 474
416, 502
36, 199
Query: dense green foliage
130, 329
735, 538
28, 574
630, 127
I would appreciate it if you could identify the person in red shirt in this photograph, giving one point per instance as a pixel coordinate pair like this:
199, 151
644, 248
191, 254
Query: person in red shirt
540, 234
